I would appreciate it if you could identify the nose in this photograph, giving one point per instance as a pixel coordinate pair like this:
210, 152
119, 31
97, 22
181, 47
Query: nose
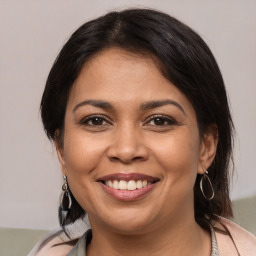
128, 146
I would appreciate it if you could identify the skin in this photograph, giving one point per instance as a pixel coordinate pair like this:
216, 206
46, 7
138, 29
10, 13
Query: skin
162, 142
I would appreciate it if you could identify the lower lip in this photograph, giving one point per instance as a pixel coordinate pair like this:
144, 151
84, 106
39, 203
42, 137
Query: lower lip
127, 195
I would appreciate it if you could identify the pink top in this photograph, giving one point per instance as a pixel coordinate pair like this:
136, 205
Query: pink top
240, 242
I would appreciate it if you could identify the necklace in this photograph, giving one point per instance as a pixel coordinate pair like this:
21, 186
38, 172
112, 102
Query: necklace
215, 250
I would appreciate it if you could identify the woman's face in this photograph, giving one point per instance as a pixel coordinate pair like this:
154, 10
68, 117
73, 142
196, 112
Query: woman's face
131, 148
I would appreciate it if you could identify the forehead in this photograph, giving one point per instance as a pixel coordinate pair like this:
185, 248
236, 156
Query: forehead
118, 75
116, 63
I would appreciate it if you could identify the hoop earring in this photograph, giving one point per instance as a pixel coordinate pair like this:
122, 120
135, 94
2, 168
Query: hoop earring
204, 179
65, 202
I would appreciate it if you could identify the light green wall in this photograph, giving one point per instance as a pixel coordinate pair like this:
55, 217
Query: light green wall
18, 242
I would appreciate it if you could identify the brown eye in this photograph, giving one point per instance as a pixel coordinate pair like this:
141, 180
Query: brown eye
160, 121
94, 121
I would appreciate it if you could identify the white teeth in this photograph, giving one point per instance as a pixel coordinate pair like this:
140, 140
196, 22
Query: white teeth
122, 184
110, 184
130, 185
115, 184
139, 184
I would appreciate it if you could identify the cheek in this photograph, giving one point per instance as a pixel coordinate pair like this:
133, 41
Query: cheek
82, 153
179, 156
82, 156
181, 147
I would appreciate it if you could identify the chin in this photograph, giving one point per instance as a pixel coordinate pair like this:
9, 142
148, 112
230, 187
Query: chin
131, 228
127, 222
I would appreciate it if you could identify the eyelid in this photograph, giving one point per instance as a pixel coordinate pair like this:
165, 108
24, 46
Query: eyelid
89, 117
166, 117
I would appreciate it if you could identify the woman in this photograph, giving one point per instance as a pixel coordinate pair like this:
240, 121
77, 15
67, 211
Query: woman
136, 106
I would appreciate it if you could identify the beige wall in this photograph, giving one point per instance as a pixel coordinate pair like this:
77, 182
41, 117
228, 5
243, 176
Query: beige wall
32, 33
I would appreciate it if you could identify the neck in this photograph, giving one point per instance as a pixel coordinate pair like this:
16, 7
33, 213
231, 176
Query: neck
184, 238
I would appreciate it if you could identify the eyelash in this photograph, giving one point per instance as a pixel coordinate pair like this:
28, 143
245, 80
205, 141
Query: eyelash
166, 121
86, 120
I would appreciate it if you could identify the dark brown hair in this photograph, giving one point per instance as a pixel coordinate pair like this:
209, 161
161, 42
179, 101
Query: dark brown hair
184, 59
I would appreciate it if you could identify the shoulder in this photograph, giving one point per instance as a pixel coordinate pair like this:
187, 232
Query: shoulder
55, 243
236, 238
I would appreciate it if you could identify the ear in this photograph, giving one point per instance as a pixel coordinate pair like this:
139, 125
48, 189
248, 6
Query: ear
60, 152
208, 148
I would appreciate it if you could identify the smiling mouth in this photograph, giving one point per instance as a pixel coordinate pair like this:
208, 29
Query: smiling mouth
127, 185
129, 182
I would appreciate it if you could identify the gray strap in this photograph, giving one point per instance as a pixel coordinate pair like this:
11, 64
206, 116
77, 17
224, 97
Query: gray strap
215, 250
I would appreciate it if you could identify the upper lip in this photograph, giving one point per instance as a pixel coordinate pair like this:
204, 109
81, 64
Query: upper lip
128, 176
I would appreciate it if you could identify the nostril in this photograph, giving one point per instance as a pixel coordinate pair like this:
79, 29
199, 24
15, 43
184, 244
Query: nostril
137, 158
114, 159
127, 152
126, 160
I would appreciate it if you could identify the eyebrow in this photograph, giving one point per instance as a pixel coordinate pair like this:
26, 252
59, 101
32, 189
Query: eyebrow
160, 103
95, 103
144, 106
